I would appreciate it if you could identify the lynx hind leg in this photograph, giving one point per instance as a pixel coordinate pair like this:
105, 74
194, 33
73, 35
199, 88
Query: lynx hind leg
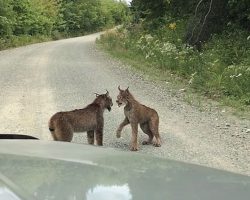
134, 143
63, 132
90, 135
99, 139
154, 127
145, 128
52, 131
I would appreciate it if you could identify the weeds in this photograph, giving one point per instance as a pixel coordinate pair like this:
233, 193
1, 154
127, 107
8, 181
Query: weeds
16, 41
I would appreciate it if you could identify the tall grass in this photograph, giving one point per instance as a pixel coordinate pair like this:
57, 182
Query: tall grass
220, 70
21, 40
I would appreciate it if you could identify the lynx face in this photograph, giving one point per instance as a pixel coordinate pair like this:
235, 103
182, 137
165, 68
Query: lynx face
122, 98
106, 100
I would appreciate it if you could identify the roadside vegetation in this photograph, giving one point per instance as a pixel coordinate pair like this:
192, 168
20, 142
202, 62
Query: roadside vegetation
205, 42
29, 21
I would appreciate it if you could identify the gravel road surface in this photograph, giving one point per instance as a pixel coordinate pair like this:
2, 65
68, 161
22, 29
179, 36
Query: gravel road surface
41, 79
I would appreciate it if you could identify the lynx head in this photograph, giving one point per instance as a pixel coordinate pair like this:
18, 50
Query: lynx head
123, 96
105, 100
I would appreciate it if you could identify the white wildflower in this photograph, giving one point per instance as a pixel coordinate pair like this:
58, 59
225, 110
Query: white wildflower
230, 66
240, 74
168, 48
148, 37
192, 78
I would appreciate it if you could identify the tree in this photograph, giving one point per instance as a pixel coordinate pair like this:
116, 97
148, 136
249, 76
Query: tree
6, 18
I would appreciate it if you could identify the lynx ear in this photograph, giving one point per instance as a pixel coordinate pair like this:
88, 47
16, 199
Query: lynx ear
96, 94
107, 93
127, 88
119, 88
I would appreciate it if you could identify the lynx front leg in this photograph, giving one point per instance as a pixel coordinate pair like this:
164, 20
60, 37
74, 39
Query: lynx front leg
99, 132
99, 138
119, 130
134, 144
90, 135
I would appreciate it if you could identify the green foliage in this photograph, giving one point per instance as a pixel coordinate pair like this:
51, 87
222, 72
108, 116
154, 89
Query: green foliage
228, 61
6, 18
34, 17
239, 11
221, 70
84, 16
56, 18
205, 42
206, 17
150, 9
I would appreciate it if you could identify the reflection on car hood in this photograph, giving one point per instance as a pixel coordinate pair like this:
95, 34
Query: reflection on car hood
57, 170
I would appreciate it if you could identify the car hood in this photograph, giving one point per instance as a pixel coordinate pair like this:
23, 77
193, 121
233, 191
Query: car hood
58, 170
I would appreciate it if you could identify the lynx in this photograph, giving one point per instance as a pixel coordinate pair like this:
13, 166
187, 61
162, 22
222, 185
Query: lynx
89, 119
138, 114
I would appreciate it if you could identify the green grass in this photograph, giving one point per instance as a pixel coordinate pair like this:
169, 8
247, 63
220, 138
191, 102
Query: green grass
17, 41
221, 71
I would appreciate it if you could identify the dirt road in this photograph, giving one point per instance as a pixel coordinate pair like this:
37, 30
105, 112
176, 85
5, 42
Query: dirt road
38, 80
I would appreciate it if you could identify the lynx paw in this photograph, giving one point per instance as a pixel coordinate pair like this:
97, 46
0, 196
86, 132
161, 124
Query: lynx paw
118, 134
133, 148
146, 143
157, 144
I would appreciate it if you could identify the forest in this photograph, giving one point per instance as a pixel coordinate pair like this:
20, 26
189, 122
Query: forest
28, 21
